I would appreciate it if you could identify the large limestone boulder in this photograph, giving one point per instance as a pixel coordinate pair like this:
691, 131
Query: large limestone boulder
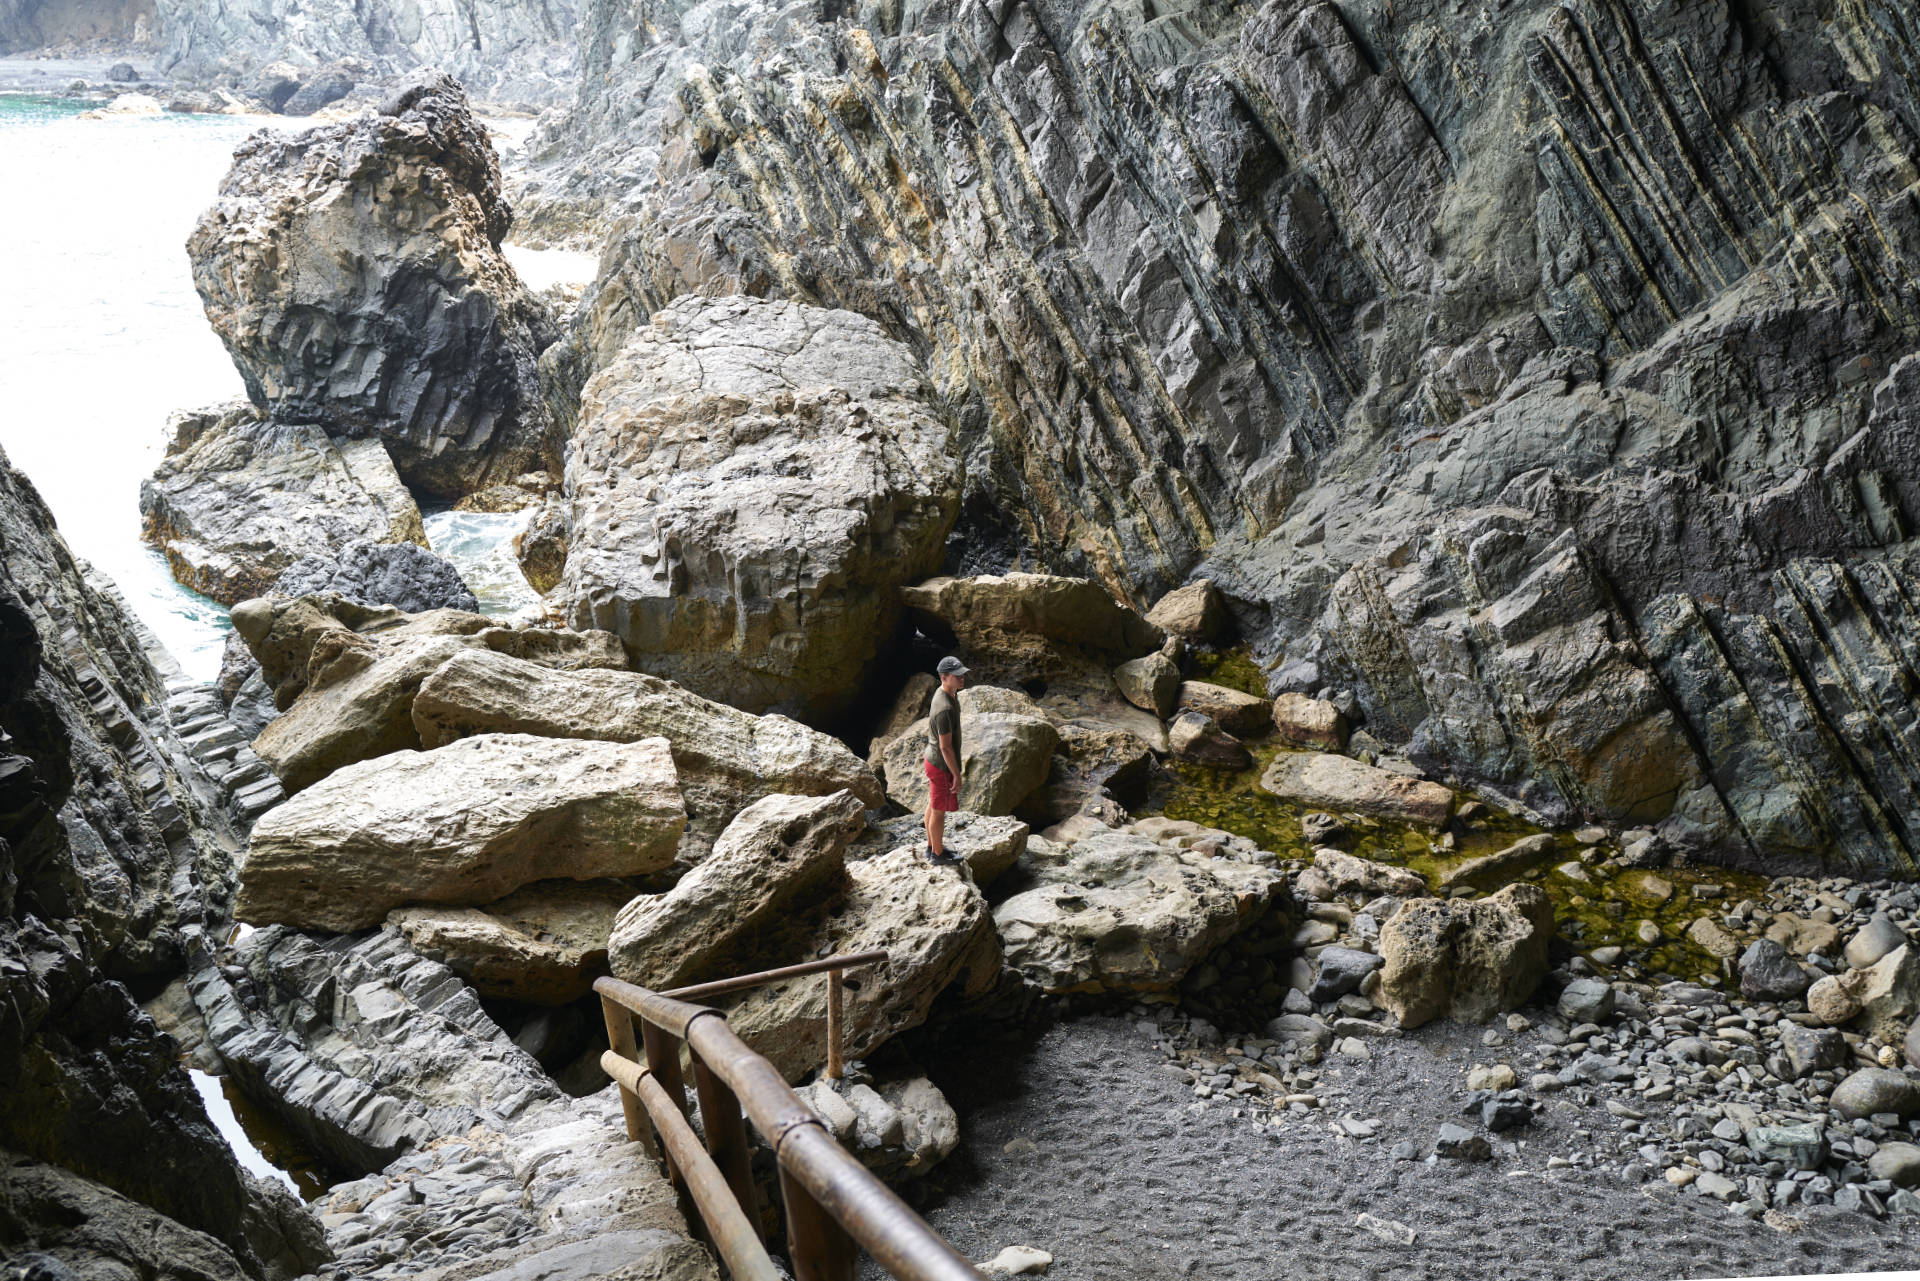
1464, 959
780, 851
1340, 783
354, 273
1029, 624
346, 675
1196, 612
726, 758
749, 483
544, 943
1006, 748
1242, 715
238, 499
463, 824
1121, 913
932, 923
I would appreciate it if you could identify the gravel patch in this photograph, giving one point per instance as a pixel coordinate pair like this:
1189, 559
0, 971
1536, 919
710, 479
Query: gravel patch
1080, 1138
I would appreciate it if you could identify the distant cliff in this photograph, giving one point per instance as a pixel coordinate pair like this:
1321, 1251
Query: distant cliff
1539, 371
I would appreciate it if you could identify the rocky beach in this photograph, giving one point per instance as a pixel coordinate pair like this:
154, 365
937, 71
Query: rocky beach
1425, 498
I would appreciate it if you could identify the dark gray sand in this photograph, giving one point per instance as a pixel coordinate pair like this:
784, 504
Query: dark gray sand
1078, 1140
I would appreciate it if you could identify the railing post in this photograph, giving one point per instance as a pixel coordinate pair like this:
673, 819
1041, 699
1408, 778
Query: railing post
663, 1063
836, 1068
817, 1246
620, 1040
726, 1129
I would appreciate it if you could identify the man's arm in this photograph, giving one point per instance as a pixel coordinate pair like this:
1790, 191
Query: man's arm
953, 762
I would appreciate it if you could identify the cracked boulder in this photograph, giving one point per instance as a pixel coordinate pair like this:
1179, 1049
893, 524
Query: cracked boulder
1115, 912
1464, 959
354, 273
464, 824
749, 483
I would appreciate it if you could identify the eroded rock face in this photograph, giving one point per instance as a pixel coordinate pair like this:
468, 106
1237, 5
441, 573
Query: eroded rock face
115, 855
1384, 294
1464, 959
1006, 749
1339, 783
780, 851
463, 824
1121, 913
240, 498
502, 53
354, 273
346, 674
749, 482
726, 758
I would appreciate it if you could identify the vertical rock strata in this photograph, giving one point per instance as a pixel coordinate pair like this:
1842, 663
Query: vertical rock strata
114, 856
1543, 374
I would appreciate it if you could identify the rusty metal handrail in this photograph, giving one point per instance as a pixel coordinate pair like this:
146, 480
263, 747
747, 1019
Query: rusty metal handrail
832, 1201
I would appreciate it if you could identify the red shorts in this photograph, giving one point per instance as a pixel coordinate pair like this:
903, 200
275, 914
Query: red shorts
943, 797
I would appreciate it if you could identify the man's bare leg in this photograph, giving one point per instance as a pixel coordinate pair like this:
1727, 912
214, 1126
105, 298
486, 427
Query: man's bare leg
936, 830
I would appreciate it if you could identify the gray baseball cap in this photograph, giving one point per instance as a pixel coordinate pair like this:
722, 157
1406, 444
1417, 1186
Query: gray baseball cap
951, 666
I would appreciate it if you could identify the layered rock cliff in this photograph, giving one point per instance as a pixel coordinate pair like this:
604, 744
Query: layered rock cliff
115, 858
1534, 371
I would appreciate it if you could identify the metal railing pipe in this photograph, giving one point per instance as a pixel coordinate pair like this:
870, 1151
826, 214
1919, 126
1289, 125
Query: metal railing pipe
720, 987
731, 1232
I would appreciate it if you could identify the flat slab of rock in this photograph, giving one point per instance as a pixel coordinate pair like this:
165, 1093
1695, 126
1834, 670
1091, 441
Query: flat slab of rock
780, 852
544, 943
1491, 871
1122, 913
1007, 617
1464, 959
749, 483
1350, 874
726, 758
1339, 783
1242, 715
346, 675
239, 499
463, 824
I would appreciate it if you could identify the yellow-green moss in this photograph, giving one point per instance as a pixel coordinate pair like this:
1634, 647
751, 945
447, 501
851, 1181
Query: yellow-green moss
1233, 801
1233, 668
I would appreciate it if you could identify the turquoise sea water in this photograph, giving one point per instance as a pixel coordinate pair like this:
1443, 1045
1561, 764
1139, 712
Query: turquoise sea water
102, 337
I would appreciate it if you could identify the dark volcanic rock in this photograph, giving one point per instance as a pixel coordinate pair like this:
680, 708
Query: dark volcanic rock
354, 273
406, 576
1569, 426
115, 857
240, 498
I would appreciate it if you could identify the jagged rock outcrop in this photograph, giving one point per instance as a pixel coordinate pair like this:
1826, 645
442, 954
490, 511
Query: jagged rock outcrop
354, 273
463, 825
115, 856
726, 758
239, 498
360, 1046
1024, 626
1115, 912
345, 675
748, 482
500, 51
1543, 375
1464, 959
777, 855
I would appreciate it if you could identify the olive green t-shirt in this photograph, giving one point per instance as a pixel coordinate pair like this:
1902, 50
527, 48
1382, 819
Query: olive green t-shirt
943, 718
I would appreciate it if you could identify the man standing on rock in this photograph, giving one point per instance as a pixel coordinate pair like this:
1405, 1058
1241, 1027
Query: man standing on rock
943, 758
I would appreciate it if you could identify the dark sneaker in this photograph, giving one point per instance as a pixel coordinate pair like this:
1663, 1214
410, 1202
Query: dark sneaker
941, 860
